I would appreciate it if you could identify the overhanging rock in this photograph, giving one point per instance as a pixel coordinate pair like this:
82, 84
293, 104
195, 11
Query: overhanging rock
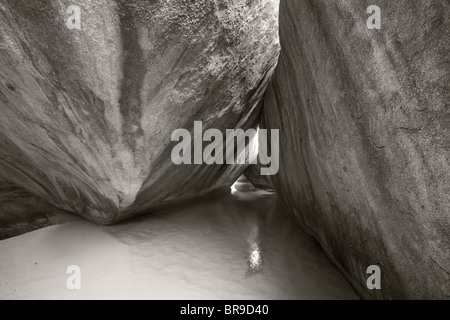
86, 116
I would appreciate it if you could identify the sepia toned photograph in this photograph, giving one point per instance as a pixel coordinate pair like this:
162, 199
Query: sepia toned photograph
224, 154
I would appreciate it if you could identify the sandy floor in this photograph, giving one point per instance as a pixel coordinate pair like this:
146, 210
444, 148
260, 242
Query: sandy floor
231, 247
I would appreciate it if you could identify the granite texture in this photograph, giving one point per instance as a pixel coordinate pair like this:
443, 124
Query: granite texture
86, 116
364, 126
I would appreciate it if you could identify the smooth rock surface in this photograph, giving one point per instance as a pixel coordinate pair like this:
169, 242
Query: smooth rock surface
253, 174
22, 211
86, 116
243, 185
227, 247
364, 127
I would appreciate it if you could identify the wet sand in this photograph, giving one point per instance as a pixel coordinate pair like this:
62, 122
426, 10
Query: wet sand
236, 246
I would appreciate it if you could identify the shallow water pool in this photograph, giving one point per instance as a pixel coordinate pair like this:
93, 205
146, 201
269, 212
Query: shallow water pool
230, 246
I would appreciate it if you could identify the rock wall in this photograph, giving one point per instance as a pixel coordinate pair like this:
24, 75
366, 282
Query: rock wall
364, 128
22, 211
86, 116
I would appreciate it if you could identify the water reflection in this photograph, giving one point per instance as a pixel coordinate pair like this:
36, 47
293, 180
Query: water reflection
255, 257
239, 245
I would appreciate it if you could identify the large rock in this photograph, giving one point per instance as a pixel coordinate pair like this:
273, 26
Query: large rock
22, 211
86, 116
365, 128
